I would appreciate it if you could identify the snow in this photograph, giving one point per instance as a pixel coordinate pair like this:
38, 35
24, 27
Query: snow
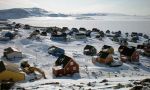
112, 23
57, 67
36, 53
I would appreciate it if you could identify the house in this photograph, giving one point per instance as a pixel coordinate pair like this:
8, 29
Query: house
134, 39
12, 53
18, 25
134, 34
118, 34
75, 30
6, 35
127, 34
146, 36
108, 49
82, 29
140, 46
108, 31
102, 34
39, 28
51, 29
64, 29
34, 33
88, 33
115, 39
59, 37
89, 50
128, 54
145, 47
9, 35
26, 26
123, 41
55, 51
10, 72
94, 34
103, 57
65, 65
95, 30
44, 33
140, 34
79, 36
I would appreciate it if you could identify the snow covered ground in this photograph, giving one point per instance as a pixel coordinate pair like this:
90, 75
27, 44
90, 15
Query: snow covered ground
112, 23
35, 52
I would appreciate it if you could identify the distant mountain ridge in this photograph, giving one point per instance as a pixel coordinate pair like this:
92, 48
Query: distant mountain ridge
17, 13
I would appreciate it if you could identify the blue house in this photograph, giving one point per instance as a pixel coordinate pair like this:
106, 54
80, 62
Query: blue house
61, 37
55, 51
9, 35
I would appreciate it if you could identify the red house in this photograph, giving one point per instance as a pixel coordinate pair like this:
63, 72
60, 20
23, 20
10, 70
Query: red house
65, 65
128, 54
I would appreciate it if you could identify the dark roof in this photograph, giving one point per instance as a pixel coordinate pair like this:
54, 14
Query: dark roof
82, 29
88, 47
103, 54
10, 50
62, 60
128, 51
74, 30
54, 48
134, 33
140, 46
78, 34
122, 47
8, 66
62, 35
106, 47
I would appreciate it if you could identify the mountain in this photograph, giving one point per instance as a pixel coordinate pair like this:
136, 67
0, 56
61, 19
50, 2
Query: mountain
17, 13
37, 11
13, 13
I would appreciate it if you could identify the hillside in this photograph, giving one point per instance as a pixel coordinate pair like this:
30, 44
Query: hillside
90, 76
17, 13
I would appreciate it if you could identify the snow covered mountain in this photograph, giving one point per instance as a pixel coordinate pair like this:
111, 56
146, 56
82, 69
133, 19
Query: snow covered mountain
17, 13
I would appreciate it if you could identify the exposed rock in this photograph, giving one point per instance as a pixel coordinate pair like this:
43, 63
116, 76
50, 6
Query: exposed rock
139, 87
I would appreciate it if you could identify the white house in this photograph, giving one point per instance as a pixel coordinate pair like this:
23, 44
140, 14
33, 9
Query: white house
12, 53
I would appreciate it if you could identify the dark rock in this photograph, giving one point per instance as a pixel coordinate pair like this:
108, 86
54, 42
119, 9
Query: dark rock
118, 86
103, 81
139, 87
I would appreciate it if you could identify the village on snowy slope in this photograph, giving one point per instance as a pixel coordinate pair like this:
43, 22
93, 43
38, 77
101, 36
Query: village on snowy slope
64, 46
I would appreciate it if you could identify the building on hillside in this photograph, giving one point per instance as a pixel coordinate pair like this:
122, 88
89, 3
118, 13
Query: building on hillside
128, 54
12, 53
10, 72
65, 65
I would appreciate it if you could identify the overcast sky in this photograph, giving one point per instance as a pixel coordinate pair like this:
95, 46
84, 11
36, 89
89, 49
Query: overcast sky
133, 7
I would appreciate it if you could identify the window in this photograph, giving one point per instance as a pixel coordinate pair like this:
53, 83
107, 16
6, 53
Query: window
71, 63
74, 68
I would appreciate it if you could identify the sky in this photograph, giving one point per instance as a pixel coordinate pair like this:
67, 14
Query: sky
131, 7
